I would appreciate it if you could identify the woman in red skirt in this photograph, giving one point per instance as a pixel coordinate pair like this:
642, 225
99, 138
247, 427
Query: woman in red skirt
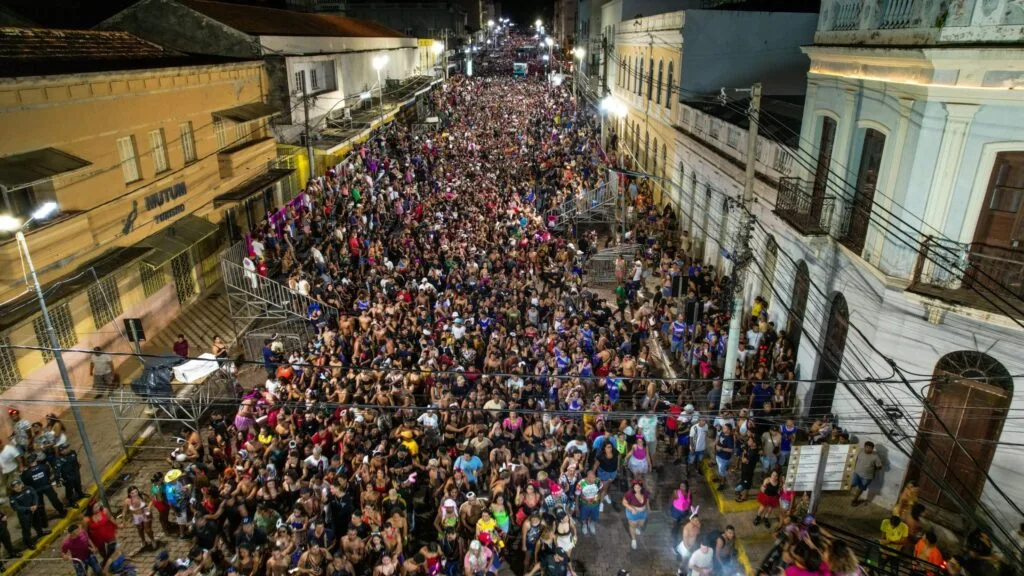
768, 498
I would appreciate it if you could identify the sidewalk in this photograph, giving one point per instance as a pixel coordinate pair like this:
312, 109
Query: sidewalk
207, 316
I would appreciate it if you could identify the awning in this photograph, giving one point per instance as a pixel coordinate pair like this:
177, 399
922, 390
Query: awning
186, 232
81, 278
251, 186
247, 112
38, 165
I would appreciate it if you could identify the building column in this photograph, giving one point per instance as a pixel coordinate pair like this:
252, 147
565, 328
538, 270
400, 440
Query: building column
807, 128
841, 157
947, 165
876, 238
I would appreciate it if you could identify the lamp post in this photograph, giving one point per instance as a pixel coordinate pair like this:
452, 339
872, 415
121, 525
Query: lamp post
613, 107
579, 52
379, 62
11, 224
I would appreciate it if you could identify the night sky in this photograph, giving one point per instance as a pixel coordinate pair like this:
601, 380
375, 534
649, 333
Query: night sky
86, 14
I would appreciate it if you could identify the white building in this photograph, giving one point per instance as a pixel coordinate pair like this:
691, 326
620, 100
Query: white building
331, 56
893, 222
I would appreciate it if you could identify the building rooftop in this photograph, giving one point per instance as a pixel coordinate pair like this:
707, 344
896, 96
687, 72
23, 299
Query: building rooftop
43, 51
259, 21
780, 115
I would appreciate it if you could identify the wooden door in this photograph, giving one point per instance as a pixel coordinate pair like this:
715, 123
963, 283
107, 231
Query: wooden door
1001, 222
828, 137
801, 288
864, 195
838, 322
974, 412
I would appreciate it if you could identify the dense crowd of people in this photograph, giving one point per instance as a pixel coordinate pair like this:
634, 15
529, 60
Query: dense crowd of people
465, 400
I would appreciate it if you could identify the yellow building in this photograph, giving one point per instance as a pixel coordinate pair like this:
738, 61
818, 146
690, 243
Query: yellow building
153, 158
648, 53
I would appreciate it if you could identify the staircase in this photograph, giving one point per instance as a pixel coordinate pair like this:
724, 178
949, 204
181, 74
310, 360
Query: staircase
595, 206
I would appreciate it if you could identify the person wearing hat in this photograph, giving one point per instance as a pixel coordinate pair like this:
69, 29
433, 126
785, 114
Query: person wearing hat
250, 536
177, 498
554, 564
162, 565
37, 476
28, 506
69, 473
21, 428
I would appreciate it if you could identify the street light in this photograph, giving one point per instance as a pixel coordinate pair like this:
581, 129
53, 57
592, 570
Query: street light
379, 62
538, 24
11, 224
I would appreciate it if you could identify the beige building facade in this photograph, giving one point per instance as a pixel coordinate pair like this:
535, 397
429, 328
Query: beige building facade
152, 158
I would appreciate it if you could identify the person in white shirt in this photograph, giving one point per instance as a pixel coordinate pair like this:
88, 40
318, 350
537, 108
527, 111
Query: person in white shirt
702, 560
648, 425
458, 329
698, 441
257, 248
428, 420
8, 467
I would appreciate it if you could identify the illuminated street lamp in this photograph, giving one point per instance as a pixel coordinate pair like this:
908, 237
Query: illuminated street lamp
379, 62
12, 224
538, 24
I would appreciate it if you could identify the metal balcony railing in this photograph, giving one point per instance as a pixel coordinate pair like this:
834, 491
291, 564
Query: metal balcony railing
977, 275
896, 14
809, 213
847, 15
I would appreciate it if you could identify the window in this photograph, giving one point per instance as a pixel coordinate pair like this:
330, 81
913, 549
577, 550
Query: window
668, 86
188, 142
639, 71
313, 80
654, 159
661, 69
129, 160
712, 129
152, 279
21, 202
664, 160
222, 137
104, 301
733, 137
159, 150
63, 325
686, 116
650, 80
9, 373
300, 81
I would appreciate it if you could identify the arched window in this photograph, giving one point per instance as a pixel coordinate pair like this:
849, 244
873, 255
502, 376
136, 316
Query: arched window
639, 75
650, 80
661, 68
647, 147
654, 160
664, 163
668, 86
771, 256
836, 325
798, 305
970, 393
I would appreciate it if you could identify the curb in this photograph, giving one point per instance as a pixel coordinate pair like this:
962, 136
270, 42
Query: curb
726, 505
743, 559
57, 531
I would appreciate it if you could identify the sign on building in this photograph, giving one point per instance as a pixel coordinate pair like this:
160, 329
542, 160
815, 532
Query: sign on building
832, 464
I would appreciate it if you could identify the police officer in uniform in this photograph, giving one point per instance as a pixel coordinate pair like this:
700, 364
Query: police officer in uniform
69, 473
37, 477
29, 508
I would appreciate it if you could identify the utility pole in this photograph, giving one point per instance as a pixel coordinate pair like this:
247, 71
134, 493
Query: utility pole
309, 137
741, 254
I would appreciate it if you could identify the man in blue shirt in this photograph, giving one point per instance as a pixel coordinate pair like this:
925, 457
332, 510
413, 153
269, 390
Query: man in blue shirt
469, 463
678, 330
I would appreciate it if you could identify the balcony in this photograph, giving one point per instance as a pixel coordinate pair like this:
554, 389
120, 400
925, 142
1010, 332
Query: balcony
976, 275
245, 157
915, 22
808, 213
